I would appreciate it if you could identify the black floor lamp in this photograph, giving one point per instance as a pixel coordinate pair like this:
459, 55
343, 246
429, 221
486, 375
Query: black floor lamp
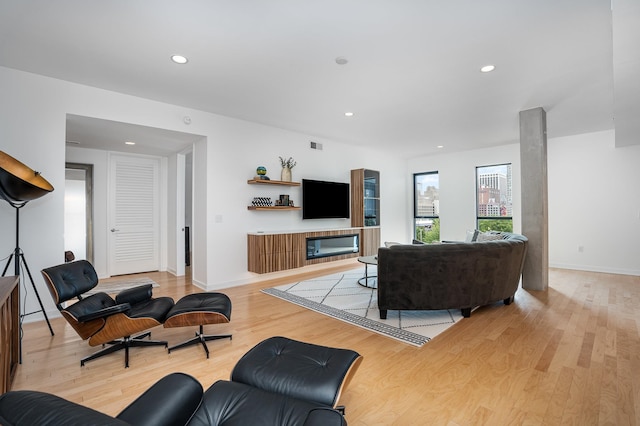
18, 185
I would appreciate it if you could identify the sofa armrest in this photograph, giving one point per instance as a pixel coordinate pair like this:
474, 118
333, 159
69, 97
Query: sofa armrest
170, 401
32, 408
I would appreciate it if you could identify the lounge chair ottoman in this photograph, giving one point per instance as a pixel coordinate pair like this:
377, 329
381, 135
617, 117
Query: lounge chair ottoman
199, 309
281, 381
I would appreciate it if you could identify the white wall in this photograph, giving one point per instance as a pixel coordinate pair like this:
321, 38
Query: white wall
32, 130
594, 202
33, 110
457, 173
593, 199
234, 152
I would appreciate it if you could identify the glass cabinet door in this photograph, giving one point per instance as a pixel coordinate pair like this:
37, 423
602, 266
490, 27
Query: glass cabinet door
371, 198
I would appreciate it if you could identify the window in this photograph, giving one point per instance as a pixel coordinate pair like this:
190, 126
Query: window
426, 207
494, 198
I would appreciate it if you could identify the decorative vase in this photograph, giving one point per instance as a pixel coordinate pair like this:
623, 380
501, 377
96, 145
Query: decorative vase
285, 175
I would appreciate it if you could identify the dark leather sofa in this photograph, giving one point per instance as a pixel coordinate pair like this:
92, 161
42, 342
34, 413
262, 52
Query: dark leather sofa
450, 276
278, 382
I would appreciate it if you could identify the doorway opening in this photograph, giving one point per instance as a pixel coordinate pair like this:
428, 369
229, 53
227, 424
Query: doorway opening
78, 210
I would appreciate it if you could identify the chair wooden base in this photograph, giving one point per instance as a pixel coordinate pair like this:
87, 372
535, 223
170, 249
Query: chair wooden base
201, 338
125, 344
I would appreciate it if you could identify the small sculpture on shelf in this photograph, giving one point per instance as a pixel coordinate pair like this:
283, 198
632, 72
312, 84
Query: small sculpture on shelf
284, 200
262, 202
261, 173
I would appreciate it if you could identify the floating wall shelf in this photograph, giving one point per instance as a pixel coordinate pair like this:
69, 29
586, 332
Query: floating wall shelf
272, 208
272, 182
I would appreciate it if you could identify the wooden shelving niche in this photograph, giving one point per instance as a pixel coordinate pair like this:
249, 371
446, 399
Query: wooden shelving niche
275, 183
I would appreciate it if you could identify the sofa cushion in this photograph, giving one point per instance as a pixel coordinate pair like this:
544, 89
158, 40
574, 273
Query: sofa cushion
472, 236
490, 236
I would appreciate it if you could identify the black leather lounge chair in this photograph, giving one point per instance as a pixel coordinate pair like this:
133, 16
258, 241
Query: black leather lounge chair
101, 319
279, 382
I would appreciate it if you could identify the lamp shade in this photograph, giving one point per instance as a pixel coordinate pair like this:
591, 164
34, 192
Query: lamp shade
20, 183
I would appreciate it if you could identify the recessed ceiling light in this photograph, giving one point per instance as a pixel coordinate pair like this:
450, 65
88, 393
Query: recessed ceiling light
179, 59
440, 146
488, 68
348, 114
341, 60
129, 143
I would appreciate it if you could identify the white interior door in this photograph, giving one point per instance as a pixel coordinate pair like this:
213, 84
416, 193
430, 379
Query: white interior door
134, 214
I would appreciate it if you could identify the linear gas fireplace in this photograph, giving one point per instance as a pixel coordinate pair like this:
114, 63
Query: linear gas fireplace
332, 245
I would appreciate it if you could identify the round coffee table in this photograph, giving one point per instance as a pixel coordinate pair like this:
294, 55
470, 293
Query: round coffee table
364, 281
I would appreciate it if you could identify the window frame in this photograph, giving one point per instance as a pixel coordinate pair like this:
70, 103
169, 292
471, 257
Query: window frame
436, 215
509, 180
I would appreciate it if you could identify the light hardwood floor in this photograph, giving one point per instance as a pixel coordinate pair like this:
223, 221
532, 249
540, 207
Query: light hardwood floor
570, 355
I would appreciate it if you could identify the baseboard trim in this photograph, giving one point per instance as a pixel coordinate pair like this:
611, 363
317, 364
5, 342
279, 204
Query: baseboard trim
603, 269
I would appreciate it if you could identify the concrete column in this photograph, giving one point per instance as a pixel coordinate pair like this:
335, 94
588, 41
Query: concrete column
535, 222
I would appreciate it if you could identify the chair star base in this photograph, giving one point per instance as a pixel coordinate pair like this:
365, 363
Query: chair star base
201, 338
125, 343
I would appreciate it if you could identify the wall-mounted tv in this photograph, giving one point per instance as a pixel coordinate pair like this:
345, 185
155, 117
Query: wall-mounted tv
325, 200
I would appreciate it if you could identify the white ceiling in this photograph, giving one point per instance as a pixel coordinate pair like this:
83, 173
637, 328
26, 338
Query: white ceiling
412, 79
95, 133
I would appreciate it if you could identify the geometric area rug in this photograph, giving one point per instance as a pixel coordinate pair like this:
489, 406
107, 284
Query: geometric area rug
340, 296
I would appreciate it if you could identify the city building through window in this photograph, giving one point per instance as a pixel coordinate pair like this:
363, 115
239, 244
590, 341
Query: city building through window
494, 198
426, 210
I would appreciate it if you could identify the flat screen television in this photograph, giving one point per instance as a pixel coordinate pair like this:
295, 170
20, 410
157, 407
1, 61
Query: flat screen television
325, 200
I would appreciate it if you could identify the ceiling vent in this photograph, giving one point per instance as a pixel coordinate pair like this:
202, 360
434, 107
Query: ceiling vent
315, 145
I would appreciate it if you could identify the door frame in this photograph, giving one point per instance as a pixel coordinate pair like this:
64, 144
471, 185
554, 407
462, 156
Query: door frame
181, 160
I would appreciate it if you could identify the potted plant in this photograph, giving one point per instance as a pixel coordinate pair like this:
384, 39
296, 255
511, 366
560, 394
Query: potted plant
287, 165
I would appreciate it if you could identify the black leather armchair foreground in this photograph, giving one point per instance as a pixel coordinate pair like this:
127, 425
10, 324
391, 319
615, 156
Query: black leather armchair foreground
278, 382
171, 401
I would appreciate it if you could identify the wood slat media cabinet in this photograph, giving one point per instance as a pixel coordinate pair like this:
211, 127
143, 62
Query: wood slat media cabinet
281, 251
